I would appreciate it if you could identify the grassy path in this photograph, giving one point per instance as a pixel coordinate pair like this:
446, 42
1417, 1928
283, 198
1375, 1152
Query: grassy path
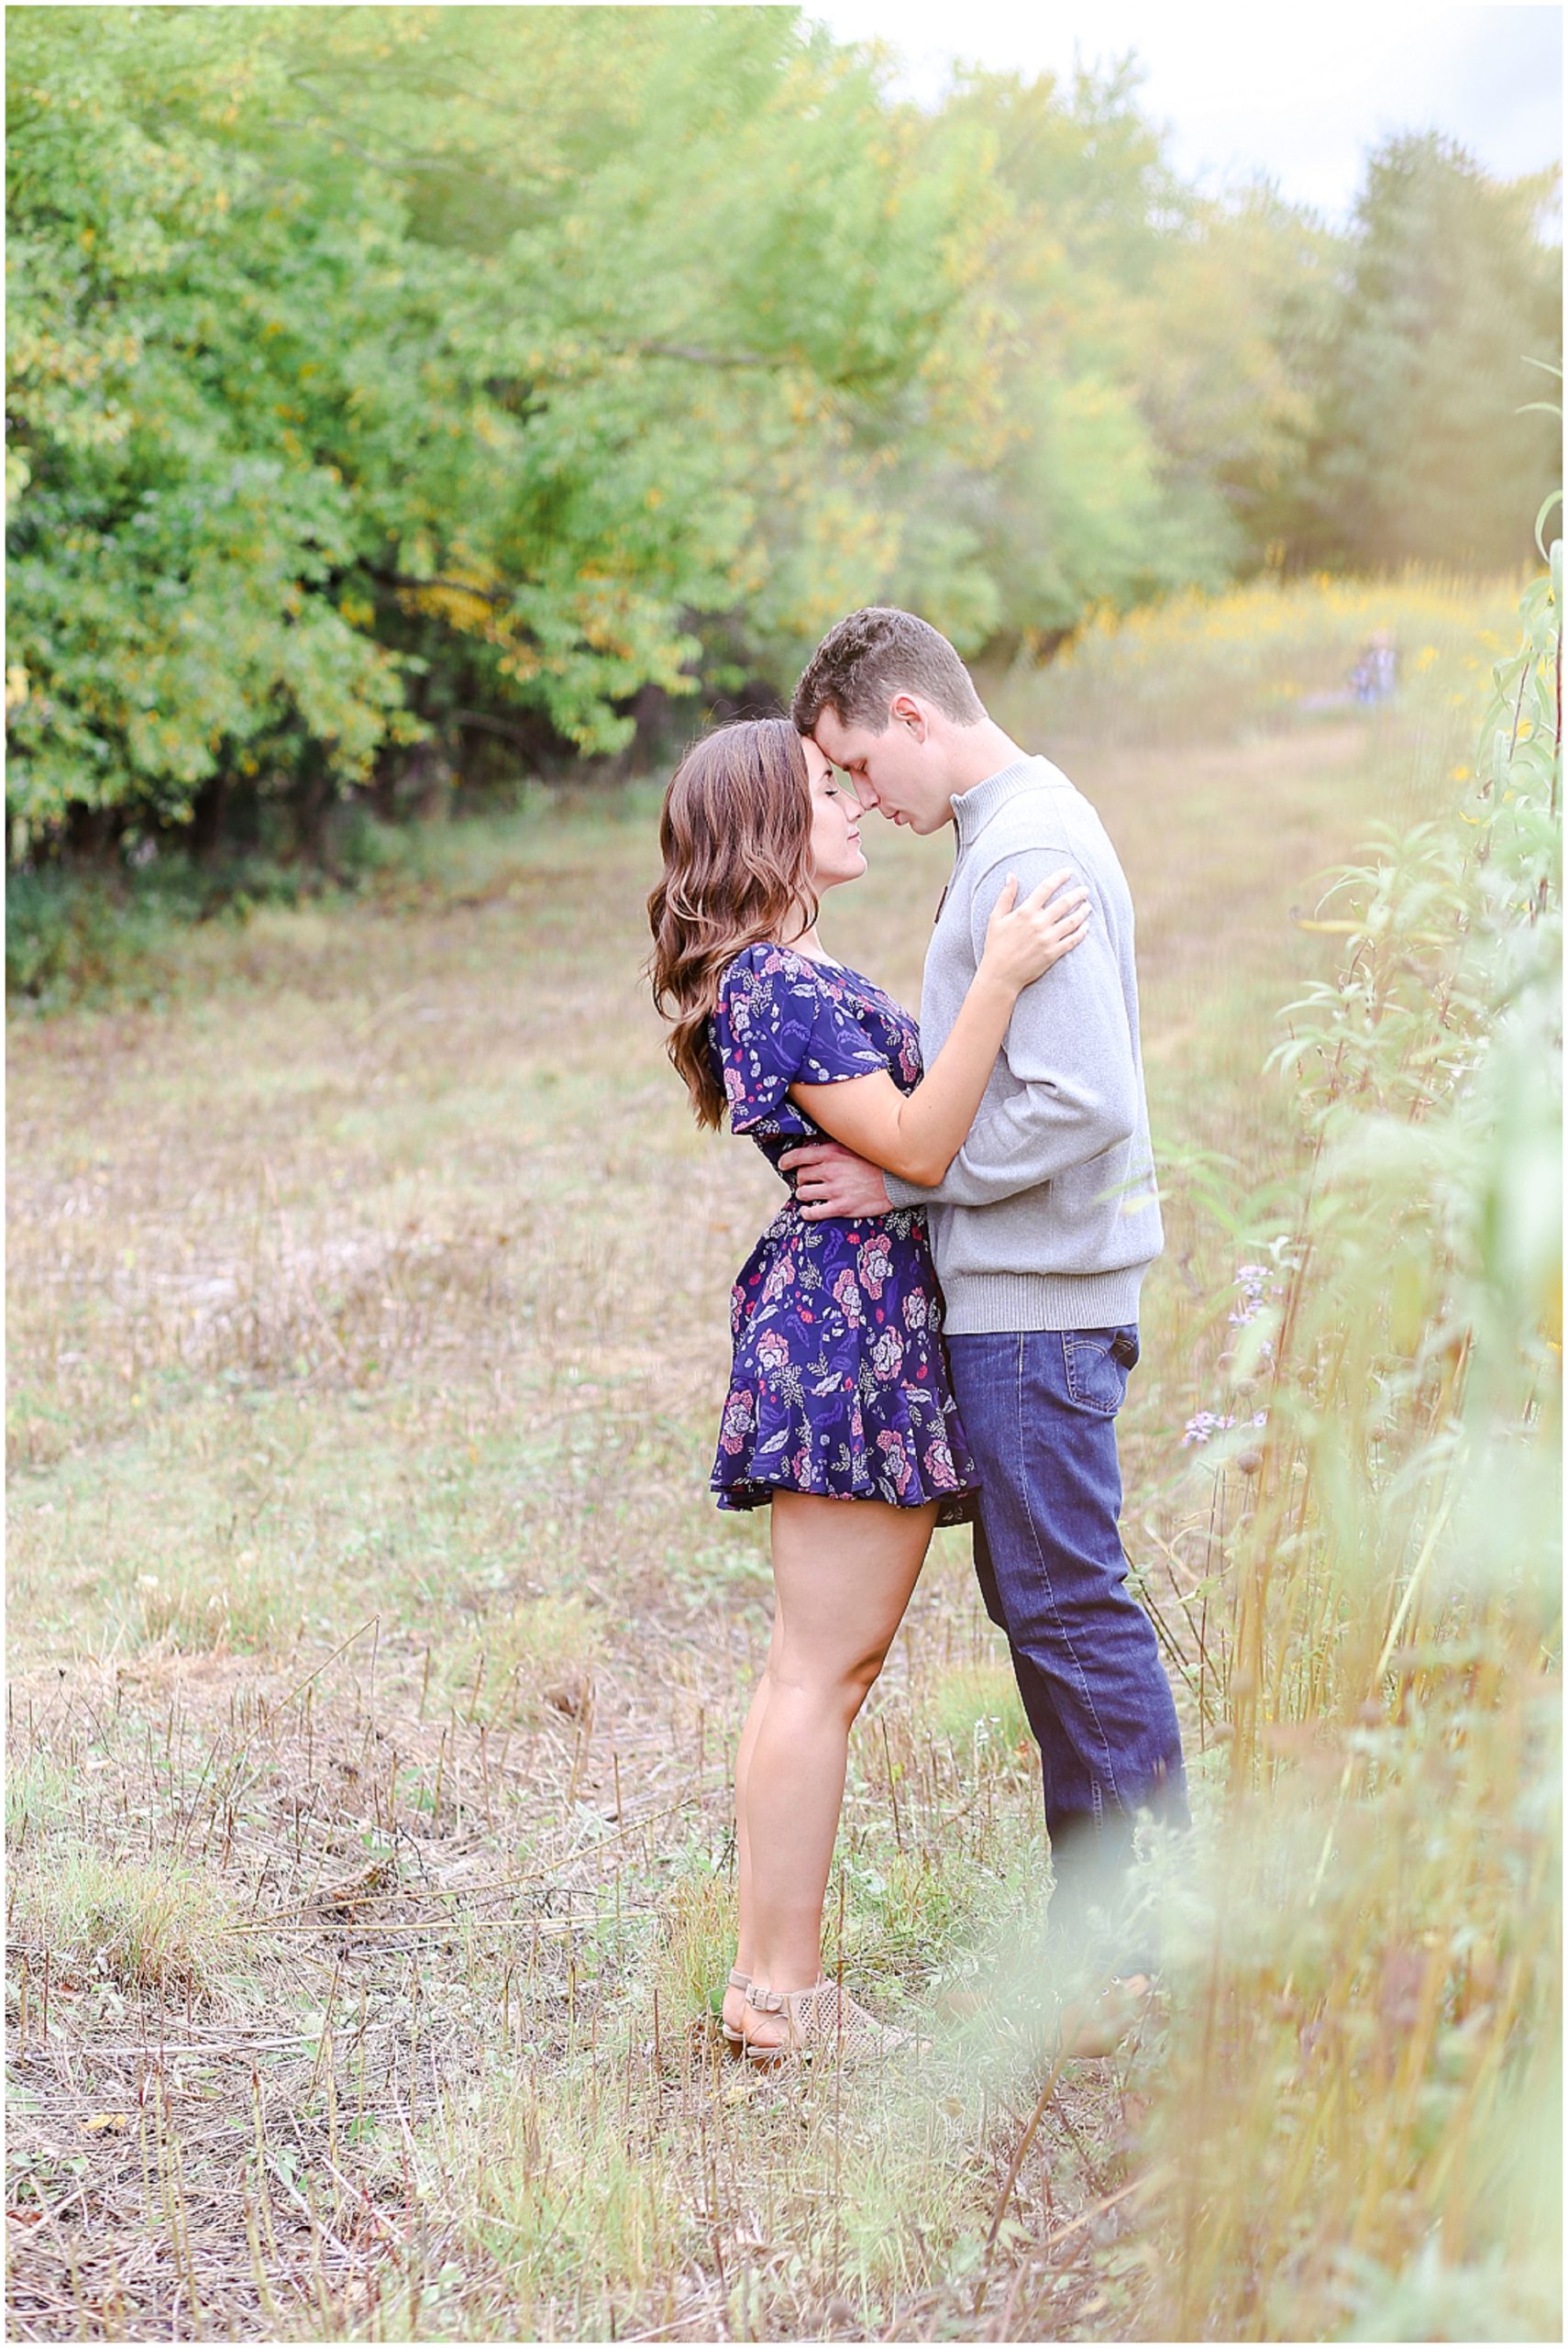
377, 1656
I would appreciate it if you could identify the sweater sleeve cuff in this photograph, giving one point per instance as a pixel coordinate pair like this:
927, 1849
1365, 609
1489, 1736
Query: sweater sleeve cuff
904, 1194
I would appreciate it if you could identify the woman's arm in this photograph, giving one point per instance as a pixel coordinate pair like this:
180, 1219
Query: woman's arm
917, 1134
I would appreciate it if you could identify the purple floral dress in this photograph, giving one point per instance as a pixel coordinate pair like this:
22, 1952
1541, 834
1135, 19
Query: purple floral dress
839, 1383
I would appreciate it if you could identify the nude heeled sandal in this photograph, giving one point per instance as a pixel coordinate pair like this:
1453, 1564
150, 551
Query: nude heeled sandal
741, 1982
823, 2018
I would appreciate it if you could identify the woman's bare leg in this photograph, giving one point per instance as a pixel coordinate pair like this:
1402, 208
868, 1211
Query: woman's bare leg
733, 2001
844, 1571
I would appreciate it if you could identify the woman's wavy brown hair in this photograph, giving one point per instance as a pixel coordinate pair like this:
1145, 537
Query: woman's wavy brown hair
736, 835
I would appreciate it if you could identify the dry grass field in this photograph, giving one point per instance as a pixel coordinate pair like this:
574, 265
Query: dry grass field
377, 1656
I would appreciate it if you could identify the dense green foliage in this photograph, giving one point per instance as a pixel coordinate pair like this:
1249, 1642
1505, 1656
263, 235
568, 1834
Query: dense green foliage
339, 412
450, 376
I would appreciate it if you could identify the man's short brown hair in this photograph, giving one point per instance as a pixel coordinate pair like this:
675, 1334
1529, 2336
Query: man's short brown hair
867, 658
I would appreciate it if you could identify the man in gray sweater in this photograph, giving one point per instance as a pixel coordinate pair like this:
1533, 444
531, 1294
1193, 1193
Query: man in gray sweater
1043, 1228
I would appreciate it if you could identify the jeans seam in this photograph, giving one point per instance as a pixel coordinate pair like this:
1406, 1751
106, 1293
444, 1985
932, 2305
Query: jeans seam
1027, 1495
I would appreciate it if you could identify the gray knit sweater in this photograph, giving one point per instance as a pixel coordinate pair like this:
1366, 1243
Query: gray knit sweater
1049, 1216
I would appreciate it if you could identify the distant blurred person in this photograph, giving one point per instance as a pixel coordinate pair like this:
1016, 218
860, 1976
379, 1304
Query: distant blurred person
1043, 1228
1375, 676
840, 1413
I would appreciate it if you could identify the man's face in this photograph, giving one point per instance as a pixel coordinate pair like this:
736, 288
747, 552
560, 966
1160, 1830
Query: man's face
899, 772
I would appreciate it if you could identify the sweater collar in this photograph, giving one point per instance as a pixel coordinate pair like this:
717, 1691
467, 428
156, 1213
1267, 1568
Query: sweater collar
976, 806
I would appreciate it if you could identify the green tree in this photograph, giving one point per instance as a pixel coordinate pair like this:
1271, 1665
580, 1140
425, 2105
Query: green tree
1149, 389
1060, 501
1222, 346
1418, 451
172, 537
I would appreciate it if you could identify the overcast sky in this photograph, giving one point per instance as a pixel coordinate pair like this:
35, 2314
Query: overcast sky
1298, 92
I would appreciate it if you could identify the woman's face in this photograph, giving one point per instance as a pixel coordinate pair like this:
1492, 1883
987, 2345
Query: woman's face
837, 853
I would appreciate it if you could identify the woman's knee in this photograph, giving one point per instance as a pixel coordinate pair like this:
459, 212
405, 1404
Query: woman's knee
837, 1684
863, 1677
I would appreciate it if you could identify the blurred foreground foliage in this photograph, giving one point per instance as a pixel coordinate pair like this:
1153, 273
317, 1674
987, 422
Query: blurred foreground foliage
1360, 2102
396, 392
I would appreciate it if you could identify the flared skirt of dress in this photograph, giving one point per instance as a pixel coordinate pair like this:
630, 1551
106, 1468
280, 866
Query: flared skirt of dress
839, 1383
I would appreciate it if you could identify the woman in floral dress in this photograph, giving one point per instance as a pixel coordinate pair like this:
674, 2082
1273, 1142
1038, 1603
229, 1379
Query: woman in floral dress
839, 1416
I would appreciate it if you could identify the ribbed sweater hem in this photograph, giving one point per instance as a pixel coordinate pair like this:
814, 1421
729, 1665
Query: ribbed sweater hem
995, 1304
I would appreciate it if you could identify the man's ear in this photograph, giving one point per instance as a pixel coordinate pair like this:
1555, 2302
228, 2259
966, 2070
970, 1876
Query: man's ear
905, 710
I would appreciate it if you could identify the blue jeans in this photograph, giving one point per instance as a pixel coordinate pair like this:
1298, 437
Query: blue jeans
1039, 1408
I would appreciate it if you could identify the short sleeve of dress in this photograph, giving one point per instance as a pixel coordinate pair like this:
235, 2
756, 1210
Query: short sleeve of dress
777, 1023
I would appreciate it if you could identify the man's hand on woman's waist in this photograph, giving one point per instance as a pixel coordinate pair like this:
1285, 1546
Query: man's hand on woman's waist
834, 1183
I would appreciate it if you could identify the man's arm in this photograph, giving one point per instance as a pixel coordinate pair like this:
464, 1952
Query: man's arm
1068, 1047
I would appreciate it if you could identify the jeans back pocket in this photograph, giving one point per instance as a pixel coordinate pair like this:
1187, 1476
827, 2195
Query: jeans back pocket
1095, 1362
